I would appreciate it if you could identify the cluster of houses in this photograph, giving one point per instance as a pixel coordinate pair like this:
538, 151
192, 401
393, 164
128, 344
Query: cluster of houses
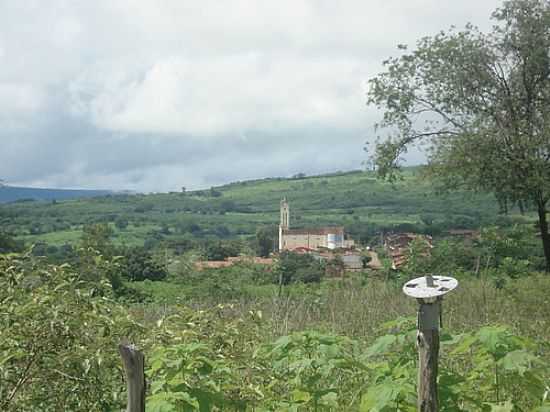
323, 243
328, 243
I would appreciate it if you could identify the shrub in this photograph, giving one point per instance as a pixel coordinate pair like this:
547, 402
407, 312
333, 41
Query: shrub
139, 264
58, 339
294, 267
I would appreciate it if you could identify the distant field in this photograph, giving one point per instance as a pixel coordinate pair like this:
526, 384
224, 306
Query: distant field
356, 200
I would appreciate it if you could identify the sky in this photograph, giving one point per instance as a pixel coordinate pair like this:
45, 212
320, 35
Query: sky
153, 95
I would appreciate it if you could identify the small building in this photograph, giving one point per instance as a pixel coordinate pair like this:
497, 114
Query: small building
353, 262
309, 238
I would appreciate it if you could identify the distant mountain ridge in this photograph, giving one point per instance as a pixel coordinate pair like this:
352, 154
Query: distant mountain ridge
15, 193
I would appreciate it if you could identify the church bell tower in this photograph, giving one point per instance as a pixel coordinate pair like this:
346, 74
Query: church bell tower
284, 223
284, 214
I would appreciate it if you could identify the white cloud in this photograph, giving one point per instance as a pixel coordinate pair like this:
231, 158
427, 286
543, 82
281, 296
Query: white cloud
224, 96
215, 68
20, 98
128, 73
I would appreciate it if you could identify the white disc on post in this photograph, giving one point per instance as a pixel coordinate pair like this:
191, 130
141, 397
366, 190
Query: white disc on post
424, 287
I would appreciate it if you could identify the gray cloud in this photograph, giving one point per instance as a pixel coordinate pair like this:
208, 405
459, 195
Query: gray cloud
155, 95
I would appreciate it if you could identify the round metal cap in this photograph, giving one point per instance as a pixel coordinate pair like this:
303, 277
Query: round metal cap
429, 286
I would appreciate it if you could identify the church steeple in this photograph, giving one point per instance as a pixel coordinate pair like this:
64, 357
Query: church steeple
285, 215
284, 223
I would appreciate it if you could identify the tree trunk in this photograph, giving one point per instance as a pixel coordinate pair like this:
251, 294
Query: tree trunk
545, 237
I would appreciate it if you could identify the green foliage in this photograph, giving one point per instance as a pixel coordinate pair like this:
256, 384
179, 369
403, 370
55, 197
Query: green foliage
204, 363
502, 366
313, 371
9, 244
294, 267
139, 264
98, 237
391, 363
481, 103
59, 334
121, 222
192, 219
221, 250
486, 370
491, 369
58, 339
266, 240
418, 256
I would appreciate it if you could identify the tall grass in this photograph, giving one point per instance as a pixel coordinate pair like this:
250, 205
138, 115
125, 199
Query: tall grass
357, 307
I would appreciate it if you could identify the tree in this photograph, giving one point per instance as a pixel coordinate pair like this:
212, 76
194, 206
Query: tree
96, 256
139, 264
266, 237
481, 102
215, 193
121, 222
9, 244
218, 250
293, 267
97, 237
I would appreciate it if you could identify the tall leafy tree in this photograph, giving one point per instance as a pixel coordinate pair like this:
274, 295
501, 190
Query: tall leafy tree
266, 238
481, 103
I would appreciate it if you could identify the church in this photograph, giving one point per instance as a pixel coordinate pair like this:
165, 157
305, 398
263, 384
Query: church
309, 239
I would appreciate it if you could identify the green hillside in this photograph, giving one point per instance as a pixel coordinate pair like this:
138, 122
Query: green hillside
356, 200
20, 194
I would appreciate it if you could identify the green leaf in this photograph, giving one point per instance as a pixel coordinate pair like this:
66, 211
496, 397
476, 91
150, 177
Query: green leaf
330, 399
464, 345
160, 405
518, 361
300, 396
381, 345
497, 340
507, 406
379, 396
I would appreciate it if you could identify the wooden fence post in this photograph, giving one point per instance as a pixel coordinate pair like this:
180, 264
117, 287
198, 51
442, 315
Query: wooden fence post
134, 361
428, 291
427, 341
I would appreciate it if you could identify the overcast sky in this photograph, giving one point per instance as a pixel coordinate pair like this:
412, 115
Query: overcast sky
153, 95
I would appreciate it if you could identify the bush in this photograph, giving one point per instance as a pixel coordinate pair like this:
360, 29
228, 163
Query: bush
9, 244
121, 223
293, 267
221, 250
58, 339
138, 264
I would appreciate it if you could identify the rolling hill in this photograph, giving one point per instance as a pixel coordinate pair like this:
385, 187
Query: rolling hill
14, 194
356, 200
